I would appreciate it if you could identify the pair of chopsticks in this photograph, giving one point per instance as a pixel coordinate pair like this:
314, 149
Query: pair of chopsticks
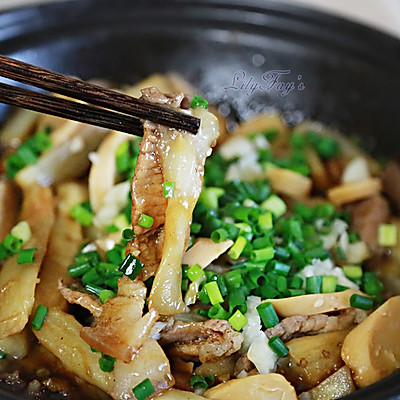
103, 107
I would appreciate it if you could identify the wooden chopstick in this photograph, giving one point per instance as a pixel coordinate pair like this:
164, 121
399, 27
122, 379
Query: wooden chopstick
94, 94
64, 108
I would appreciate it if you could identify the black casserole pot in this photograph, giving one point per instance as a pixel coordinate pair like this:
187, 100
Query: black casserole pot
246, 56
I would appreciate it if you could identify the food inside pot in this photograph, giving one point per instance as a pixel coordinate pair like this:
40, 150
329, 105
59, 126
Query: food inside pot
263, 261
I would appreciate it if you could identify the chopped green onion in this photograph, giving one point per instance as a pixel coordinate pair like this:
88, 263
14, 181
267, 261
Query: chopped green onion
262, 254
27, 153
268, 292
12, 243
195, 272
185, 285
200, 382
203, 296
387, 235
213, 292
202, 312
91, 277
82, 214
281, 283
281, 268
275, 205
233, 279
105, 295
195, 228
3, 355
278, 346
25, 256
219, 235
236, 250
93, 289
106, 363
116, 255
131, 266
237, 320
39, 317
145, 221
217, 312
127, 234
363, 302
209, 197
314, 284
243, 227
237, 301
295, 292
372, 285
329, 283
268, 315
22, 231
352, 271
143, 390
265, 221
296, 282
198, 101
168, 190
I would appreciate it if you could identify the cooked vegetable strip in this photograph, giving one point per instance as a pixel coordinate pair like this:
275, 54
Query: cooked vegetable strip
18, 281
205, 251
18, 127
311, 304
60, 335
9, 209
67, 161
120, 330
353, 191
103, 171
65, 241
257, 387
16, 346
289, 183
372, 349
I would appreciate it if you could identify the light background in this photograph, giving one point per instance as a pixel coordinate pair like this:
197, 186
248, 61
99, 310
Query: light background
381, 14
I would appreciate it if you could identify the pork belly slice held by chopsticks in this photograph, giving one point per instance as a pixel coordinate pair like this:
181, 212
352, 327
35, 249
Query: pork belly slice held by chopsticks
168, 155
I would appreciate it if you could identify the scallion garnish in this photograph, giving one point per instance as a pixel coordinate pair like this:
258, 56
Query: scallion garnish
217, 312
275, 205
143, 390
387, 235
127, 234
3, 355
131, 266
236, 250
39, 317
25, 256
106, 294
363, 302
82, 213
213, 292
278, 346
268, 315
168, 190
329, 283
314, 284
106, 363
238, 320
200, 382
145, 221
198, 101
